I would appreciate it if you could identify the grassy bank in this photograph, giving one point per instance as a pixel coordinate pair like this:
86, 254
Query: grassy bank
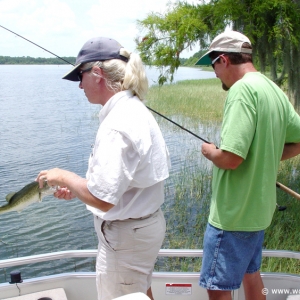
197, 99
198, 106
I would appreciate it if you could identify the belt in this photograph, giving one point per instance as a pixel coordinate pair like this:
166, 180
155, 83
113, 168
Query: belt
144, 217
141, 218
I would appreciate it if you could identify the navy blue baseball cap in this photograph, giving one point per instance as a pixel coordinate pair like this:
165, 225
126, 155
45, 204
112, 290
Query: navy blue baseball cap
95, 49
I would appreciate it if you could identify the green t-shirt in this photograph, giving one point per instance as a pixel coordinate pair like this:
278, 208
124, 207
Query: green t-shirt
258, 121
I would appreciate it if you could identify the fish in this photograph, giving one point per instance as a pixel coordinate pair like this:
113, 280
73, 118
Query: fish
30, 193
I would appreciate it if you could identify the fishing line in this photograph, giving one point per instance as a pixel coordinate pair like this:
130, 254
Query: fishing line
279, 185
35, 44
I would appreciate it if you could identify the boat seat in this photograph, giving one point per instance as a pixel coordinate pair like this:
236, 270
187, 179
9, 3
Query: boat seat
55, 294
134, 296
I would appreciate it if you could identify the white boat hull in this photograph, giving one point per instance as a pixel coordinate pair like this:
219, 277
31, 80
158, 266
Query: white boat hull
166, 285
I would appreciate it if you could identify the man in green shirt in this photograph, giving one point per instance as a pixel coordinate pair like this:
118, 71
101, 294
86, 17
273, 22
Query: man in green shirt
260, 127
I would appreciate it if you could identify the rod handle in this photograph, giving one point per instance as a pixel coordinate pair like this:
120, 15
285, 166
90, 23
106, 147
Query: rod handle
288, 190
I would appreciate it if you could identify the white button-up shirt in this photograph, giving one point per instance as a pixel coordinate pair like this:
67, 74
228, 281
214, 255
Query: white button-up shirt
130, 160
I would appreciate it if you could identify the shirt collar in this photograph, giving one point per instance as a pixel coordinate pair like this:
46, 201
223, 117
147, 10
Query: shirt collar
110, 104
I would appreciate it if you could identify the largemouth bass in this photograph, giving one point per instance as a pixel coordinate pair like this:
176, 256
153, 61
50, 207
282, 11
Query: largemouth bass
29, 194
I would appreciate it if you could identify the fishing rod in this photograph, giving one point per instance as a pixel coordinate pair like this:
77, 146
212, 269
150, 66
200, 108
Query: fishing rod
279, 185
197, 136
35, 44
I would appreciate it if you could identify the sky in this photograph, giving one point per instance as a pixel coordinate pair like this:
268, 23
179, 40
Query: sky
63, 26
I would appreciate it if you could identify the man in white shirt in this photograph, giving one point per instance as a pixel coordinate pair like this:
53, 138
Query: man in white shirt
124, 184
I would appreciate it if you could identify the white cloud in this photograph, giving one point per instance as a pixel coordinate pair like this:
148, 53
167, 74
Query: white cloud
63, 26
42, 22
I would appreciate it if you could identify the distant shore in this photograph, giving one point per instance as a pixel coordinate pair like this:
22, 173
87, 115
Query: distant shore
27, 60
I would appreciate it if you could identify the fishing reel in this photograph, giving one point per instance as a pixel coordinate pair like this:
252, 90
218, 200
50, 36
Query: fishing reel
280, 208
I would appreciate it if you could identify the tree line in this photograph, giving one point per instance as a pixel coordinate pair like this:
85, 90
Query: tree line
27, 60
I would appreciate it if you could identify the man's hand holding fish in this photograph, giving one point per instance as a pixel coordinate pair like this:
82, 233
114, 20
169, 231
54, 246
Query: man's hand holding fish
73, 186
61, 192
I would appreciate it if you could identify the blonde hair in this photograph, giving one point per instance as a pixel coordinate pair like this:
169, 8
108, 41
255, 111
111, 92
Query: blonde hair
122, 76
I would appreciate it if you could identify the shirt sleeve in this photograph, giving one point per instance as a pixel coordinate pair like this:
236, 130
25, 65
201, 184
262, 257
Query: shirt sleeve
238, 127
293, 128
112, 167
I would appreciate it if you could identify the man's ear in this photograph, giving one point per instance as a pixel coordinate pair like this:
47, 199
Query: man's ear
225, 59
98, 71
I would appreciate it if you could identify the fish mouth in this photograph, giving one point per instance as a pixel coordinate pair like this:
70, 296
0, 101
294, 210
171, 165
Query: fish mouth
48, 190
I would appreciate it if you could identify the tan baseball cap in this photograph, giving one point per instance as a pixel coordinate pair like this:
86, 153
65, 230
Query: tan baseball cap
228, 41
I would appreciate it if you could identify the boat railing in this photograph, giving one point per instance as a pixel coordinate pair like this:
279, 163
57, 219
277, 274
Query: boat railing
11, 262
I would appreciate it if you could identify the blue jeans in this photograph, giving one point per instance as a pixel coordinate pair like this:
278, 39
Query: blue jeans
227, 256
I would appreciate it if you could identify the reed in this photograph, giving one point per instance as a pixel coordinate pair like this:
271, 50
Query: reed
201, 100
198, 106
283, 233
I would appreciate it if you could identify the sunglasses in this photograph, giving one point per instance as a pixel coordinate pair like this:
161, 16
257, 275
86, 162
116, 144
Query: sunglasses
215, 60
79, 74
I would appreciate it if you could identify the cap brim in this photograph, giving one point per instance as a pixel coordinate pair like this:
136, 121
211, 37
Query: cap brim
73, 74
204, 60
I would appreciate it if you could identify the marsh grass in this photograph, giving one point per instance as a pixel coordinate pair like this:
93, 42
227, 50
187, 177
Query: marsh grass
199, 100
198, 106
283, 233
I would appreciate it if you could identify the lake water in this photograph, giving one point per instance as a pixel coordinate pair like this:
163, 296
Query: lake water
47, 122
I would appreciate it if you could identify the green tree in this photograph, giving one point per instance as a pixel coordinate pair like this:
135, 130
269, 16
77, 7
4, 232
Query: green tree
274, 29
167, 35
272, 26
